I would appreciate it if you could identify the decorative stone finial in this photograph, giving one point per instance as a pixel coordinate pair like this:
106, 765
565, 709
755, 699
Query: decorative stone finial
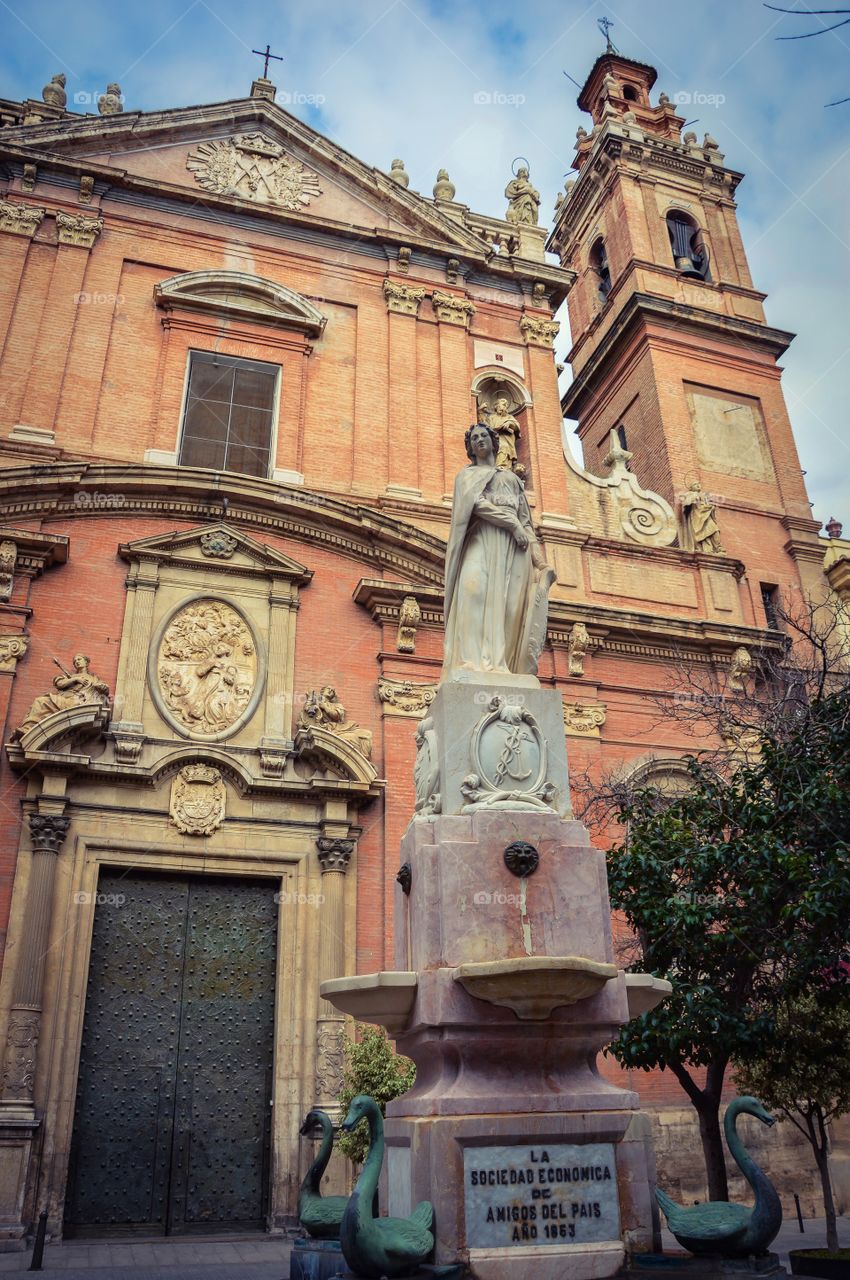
54, 93
111, 102
690, 139
710, 144
834, 527
663, 99
444, 188
399, 174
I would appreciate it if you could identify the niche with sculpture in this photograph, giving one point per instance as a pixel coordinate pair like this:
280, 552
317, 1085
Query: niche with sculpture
501, 406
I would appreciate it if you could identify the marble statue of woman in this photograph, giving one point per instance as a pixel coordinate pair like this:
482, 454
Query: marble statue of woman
700, 530
523, 200
497, 579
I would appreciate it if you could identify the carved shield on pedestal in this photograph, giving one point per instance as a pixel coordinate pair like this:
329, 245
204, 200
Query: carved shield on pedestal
198, 798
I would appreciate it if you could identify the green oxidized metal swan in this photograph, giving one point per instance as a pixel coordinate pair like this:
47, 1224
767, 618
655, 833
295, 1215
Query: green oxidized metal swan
319, 1215
393, 1247
719, 1227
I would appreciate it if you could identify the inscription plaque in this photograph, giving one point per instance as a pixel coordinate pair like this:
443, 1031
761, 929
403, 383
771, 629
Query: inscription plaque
555, 1193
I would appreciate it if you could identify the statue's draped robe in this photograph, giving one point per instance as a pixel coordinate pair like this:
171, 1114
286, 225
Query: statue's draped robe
491, 585
700, 526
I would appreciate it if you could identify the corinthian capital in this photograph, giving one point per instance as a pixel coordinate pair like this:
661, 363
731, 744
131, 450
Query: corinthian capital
334, 854
47, 831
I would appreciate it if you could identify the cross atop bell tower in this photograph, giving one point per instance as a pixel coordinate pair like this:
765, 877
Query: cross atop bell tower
670, 340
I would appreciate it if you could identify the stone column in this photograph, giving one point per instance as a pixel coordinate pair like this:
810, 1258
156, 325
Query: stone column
334, 857
47, 831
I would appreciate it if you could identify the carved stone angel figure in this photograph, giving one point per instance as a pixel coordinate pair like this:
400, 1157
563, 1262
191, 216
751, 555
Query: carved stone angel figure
76, 688
497, 579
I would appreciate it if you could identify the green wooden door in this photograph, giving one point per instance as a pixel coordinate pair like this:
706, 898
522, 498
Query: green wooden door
172, 1119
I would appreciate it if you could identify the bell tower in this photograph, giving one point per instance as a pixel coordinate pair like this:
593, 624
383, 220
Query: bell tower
670, 342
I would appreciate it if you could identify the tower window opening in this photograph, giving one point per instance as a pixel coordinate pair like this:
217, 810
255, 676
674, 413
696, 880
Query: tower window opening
599, 263
621, 436
690, 252
630, 93
770, 602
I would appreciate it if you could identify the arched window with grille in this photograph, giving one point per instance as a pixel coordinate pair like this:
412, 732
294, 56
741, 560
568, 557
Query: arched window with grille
690, 252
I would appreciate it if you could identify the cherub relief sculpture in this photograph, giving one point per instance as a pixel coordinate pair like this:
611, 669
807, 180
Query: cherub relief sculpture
323, 708
77, 688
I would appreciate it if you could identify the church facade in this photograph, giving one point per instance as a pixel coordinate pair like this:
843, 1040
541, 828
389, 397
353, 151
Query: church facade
237, 366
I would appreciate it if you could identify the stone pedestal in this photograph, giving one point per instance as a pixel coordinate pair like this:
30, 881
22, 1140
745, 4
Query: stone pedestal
504, 993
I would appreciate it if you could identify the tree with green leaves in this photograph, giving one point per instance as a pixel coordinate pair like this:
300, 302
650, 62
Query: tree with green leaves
738, 891
801, 1072
372, 1066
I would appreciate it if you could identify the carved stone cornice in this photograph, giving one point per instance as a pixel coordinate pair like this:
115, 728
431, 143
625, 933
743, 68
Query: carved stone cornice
20, 219
538, 332
47, 831
584, 719
34, 551
334, 853
366, 534
77, 229
404, 698
402, 299
450, 309
11, 649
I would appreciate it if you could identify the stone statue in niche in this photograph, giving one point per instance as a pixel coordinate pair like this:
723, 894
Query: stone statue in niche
323, 708
497, 579
523, 200
207, 667
502, 421
77, 688
700, 530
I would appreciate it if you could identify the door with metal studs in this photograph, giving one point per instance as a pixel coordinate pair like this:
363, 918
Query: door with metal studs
172, 1119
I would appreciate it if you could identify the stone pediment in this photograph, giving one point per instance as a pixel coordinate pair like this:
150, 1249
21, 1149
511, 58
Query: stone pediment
216, 547
237, 293
253, 152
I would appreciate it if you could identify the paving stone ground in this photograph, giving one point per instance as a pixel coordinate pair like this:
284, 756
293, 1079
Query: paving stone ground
258, 1257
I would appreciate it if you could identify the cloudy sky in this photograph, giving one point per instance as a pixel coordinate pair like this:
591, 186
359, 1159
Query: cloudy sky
470, 86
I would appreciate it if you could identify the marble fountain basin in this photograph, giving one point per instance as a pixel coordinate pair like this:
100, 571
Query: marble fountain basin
534, 986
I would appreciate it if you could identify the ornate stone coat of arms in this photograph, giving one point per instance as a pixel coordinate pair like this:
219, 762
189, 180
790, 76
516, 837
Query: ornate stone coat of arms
254, 167
198, 798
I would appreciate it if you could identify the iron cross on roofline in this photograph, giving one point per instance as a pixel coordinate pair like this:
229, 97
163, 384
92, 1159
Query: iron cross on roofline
267, 55
605, 25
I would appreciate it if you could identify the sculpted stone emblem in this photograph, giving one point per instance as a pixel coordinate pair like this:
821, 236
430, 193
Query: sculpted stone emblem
584, 717
323, 708
207, 667
21, 1049
497, 579
8, 559
510, 761
198, 799
77, 688
579, 644
330, 1058
404, 697
218, 545
255, 168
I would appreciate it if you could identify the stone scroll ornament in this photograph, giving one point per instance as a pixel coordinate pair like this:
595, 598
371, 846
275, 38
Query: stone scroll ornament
497, 578
207, 667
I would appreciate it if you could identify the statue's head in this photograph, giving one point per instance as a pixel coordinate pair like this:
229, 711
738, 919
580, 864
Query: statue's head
328, 692
316, 1124
81, 662
361, 1105
502, 405
695, 486
476, 442
114, 89
60, 79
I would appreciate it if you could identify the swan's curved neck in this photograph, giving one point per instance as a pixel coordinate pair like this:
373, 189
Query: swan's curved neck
317, 1168
367, 1183
767, 1201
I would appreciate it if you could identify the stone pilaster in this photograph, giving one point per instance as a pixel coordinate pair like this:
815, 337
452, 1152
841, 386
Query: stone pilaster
334, 858
47, 831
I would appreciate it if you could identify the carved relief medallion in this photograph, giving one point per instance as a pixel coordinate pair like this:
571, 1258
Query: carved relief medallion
198, 798
206, 667
254, 167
